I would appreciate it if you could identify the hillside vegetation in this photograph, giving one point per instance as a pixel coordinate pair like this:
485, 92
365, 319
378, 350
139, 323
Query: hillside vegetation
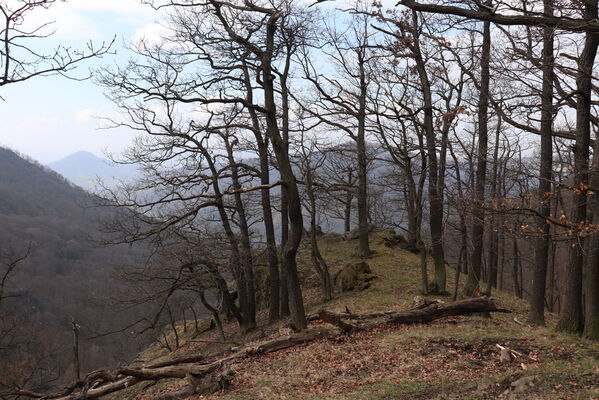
452, 358
66, 275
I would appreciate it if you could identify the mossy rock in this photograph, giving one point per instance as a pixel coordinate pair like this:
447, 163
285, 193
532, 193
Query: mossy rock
392, 239
353, 275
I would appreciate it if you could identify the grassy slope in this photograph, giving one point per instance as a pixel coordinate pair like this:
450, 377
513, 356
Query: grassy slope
448, 359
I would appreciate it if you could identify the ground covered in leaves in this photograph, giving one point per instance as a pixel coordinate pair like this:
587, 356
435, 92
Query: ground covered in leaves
452, 358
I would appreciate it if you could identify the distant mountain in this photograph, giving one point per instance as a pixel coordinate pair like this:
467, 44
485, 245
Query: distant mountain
84, 169
66, 274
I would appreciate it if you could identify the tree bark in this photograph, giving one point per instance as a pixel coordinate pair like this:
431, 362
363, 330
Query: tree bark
247, 264
271, 245
318, 261
571, 315
76, 367
478, 224
284, 311
492, 244
434, 191
364, 248
537, 298
591, 312
347, 212
517, 263
296, 303
235, 259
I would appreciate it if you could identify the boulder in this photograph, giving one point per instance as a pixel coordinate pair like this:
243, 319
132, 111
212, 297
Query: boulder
354, 275
392, 239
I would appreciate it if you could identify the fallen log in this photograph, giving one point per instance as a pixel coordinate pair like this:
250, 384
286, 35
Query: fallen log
129, 376
100, 383
431, 312
442, 310
99, 391
294, 339
200, 386
174, 361
336, 319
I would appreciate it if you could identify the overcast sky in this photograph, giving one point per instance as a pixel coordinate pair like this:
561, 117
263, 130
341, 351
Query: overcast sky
49, 118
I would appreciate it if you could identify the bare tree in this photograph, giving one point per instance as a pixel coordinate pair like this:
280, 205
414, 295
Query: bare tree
578, 17
311, 159
210, 64
341, 100
20, 60
474, 274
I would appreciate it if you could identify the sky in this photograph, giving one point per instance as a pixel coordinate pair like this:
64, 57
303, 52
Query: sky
48, 118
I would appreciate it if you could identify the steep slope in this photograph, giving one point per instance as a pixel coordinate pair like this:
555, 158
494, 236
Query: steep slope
455, 358
66, 274
84, 169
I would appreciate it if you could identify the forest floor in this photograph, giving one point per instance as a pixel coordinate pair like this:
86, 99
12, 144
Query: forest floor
451, 358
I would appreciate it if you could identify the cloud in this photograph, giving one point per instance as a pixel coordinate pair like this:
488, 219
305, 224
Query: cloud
123, 7
89, 19
150, 34
36, 123
87, 115
96, 117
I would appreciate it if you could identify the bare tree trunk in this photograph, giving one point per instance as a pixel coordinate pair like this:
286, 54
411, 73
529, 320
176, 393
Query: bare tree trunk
571, 315
173, 326
478, 224
457, 275
76, 367
537, 295
166, 344
296, 303
492, 245
423, 271
552, 254
274, 302
184, 321
434, 191
463, 257
591, 312
347, 215
195, 320
215, 315
284, 308
364, 248
308, 165
237, 261
551, 277
223, 290
515, 274
271, 245
284, 312
501, 253
247, 264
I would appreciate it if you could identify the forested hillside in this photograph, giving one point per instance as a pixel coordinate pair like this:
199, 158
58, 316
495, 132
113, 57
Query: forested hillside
64, 276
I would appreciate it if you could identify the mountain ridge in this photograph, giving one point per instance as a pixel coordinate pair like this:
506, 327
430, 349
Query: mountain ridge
86, 169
